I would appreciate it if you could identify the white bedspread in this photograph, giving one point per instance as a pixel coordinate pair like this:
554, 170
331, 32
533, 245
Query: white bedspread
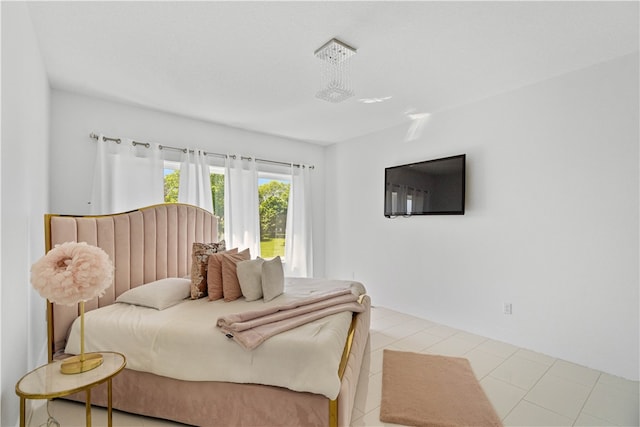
183, 341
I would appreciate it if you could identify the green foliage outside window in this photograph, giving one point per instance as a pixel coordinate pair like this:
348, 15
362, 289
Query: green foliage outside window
273, 198
171, 185
217, 195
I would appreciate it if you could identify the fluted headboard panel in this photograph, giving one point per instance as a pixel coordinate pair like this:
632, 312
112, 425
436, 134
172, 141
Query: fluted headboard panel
145, 245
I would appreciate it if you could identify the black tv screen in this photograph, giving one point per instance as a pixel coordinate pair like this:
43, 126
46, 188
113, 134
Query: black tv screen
432, 187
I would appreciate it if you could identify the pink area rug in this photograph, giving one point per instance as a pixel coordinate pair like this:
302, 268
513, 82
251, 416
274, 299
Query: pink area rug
430, 390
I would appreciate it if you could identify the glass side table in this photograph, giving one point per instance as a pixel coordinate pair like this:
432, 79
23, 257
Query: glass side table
47, 382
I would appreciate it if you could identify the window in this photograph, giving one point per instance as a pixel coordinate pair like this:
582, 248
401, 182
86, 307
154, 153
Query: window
171, 181
172, 184
217, 195
273, 199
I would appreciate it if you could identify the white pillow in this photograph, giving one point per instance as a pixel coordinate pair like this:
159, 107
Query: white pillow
250, 277
160, 294
272, 278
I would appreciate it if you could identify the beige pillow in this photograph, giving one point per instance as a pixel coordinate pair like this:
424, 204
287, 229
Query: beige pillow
199, 263
250, 277
230, 286
214, 274
160, 294
272, 278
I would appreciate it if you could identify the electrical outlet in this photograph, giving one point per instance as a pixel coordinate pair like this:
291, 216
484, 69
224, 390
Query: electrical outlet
506, 308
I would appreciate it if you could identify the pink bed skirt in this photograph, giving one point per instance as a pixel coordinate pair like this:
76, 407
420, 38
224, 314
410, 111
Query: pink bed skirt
210, 403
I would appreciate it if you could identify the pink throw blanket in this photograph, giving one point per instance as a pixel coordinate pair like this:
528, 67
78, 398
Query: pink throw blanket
252, 328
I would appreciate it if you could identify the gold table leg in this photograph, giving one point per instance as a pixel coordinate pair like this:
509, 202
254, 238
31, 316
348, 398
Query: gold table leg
88, 408
22, 415
109, 407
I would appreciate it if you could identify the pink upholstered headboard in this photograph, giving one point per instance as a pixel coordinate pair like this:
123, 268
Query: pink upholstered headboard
145, 245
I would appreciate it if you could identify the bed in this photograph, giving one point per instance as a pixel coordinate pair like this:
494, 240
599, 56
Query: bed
154, 243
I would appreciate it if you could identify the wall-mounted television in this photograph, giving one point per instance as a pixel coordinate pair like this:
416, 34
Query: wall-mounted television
431, 187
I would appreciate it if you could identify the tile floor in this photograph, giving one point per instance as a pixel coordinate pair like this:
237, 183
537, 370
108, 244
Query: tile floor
526, 388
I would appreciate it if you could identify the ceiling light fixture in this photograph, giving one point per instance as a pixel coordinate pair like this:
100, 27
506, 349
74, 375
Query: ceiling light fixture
335, 77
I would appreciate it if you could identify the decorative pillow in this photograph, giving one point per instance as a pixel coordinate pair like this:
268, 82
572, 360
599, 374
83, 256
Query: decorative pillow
160, 294
214, 274
250, 277
272, 278
230, 285
199, 263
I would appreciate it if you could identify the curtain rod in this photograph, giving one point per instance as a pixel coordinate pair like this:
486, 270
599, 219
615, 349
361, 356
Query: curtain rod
184, 150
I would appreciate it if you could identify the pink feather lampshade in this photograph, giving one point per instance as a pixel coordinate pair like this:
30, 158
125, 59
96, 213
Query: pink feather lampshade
71, 273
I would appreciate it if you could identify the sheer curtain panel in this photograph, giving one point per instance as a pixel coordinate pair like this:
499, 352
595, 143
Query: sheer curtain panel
195, 180
126, 177
299, 242
241, 214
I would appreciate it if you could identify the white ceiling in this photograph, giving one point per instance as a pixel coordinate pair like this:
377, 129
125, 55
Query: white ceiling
251, 64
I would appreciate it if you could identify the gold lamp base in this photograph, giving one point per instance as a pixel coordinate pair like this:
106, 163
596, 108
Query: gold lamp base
81, 363
84, 361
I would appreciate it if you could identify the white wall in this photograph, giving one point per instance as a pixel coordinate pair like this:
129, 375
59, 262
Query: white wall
24, 200
74, 117
551, 221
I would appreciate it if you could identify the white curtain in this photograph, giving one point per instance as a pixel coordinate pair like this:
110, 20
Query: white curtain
195, 180
241, 216
298, 242
126, 177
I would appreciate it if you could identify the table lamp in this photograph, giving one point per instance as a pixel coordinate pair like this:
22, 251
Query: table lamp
72, 273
